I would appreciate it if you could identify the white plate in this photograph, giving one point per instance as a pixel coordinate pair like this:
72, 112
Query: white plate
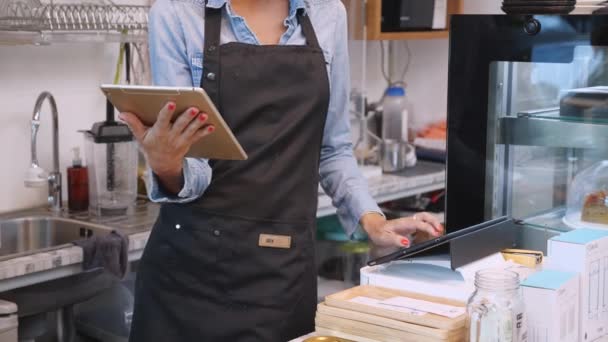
573, 220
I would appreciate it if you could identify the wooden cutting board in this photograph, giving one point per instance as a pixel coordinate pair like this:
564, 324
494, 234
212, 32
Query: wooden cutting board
329, 332
323, 309
376, 332
343, 300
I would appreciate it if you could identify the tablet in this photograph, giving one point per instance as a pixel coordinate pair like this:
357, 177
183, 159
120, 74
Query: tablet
146, 102
424, 246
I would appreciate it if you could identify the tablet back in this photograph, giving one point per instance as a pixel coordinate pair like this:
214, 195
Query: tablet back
146, 103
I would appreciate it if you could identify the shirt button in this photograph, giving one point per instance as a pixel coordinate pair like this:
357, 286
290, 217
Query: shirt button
211, 76
216, 232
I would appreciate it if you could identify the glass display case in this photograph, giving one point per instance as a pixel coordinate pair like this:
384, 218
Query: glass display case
527, 113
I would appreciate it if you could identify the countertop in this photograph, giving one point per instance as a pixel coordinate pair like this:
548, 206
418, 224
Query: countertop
31, 269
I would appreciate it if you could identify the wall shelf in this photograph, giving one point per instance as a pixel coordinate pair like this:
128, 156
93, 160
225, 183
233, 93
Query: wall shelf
367, 18
48, 37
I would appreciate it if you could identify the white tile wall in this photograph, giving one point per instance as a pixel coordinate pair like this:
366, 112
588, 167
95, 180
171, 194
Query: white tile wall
72, 73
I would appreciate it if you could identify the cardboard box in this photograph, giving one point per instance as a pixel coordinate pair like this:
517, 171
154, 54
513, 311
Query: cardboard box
552, 306
585, 251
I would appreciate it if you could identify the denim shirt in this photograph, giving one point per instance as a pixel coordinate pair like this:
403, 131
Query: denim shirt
176, 36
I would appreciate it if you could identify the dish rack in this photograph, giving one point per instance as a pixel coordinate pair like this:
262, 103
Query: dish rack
101, 17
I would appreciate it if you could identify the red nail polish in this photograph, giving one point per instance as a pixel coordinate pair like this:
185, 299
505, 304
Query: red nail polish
211, 129
405, 242
171, 106
202, 117
193, 112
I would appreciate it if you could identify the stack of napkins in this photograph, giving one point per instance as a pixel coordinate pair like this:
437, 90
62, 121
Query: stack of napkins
375, 314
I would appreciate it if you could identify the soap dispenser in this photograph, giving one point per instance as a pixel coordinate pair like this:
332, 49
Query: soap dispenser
78, 184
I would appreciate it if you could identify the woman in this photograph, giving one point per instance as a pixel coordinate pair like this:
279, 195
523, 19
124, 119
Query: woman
231, 257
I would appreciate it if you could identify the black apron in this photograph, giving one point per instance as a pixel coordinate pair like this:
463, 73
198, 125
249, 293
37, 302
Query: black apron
238, 265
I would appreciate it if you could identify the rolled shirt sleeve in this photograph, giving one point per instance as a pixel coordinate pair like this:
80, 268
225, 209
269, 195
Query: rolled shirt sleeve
170, 67
341, 178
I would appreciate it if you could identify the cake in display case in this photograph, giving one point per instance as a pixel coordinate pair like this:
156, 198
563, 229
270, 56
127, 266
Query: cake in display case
588, 198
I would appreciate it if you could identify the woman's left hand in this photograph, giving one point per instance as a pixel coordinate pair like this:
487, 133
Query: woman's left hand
399, 232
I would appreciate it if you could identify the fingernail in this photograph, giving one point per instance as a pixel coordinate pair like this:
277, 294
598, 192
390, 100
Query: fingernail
193, 112
121, 117
171, 106
203, 117
210, 129
405, 242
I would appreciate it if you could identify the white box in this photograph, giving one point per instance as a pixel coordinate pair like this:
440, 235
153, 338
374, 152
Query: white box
585, 251
552, 306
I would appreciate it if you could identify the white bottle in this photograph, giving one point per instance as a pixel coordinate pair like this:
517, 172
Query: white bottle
395, 114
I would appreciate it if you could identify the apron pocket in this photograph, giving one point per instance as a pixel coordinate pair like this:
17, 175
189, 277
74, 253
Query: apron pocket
272, 277
179, 242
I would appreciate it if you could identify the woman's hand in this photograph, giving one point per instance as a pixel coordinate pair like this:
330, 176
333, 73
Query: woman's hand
165, 144
397, 233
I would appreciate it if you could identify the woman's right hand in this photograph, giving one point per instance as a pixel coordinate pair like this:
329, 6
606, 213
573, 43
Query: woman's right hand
165, 144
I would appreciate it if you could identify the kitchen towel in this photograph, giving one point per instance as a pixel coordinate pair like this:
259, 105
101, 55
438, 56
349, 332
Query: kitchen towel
109, 252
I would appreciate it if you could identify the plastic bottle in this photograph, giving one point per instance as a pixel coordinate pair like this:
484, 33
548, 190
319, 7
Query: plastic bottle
395, 114
78, 184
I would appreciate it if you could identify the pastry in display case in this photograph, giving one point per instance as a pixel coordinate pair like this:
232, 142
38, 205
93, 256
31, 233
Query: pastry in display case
595, 208
588, 198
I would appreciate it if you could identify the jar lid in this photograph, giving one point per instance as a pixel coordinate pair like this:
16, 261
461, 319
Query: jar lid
395, 91
108, 132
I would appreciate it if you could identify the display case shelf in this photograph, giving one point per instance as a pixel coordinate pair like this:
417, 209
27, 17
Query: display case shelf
551, 220
553, 131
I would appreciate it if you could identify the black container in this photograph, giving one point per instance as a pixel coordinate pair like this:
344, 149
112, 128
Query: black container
538, 6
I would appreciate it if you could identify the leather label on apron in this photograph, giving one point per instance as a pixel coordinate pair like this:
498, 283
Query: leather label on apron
275, 241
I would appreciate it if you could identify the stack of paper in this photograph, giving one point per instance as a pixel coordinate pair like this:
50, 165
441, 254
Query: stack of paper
368, 313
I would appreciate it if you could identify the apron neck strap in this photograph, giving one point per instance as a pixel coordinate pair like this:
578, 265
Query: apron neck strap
213, 27
307, 29
211, 60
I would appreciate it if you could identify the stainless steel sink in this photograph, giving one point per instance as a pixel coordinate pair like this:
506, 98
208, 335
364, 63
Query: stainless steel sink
38, 230
34, 234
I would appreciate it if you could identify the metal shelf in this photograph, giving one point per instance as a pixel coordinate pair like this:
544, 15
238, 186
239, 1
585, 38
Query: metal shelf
552, 132
47, 38
32, 22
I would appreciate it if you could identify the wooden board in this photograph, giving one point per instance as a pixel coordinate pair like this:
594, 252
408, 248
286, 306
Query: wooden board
323, 309
342, 300
377, 332
329, 332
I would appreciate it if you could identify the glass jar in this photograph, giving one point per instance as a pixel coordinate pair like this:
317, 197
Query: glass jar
495, 311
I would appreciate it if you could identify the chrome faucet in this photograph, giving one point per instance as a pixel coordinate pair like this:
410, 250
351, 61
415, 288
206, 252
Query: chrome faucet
36, 176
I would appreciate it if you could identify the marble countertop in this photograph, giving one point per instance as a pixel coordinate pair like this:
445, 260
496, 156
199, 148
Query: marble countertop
66, 256
425, 177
